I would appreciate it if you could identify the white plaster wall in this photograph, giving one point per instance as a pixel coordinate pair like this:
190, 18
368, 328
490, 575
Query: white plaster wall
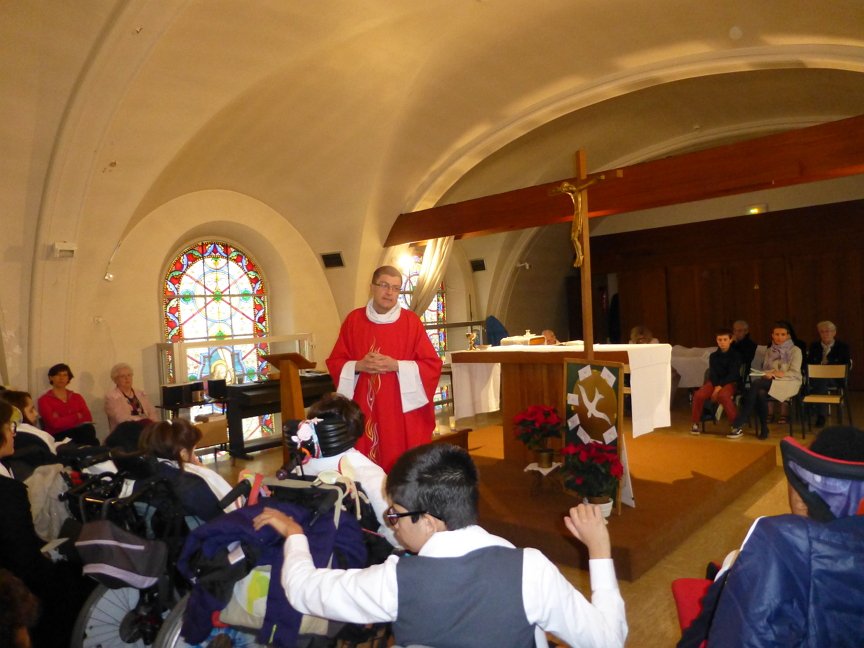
121, 320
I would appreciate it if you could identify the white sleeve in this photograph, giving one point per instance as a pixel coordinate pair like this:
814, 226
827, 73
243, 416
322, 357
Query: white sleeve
410, 386
350, 595
557, 607
347, 379
372, 477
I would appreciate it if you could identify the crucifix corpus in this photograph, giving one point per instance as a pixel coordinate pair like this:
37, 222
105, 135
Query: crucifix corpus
580, 238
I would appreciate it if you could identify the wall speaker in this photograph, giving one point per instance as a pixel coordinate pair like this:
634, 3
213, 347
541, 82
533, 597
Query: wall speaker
477, 265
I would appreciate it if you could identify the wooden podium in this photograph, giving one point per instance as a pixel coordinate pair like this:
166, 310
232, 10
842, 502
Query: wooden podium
290, 391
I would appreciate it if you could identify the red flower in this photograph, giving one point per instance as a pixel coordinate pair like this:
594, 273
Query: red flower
592, 469
535, 424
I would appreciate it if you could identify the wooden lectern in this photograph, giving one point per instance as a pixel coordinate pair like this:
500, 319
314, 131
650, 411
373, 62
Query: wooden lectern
290, 392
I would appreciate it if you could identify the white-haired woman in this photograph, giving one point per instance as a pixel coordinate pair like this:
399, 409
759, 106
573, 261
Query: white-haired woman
123, 403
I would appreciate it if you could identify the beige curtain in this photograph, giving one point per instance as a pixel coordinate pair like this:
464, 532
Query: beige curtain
431, 273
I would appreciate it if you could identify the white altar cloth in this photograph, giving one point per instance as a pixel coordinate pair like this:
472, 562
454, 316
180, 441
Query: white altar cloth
476, 386
691, 364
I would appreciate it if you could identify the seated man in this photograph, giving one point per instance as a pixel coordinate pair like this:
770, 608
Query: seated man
827, 351
724, 372
549, 336
514, 596
642, 335
742, 344
797, 579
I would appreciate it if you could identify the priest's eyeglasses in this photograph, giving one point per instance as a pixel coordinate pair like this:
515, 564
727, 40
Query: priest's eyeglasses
383, 285
391, 516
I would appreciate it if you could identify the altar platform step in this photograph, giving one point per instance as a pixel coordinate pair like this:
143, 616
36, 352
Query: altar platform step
679, 483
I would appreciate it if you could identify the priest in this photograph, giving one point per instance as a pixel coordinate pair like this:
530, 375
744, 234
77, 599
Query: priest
384, 360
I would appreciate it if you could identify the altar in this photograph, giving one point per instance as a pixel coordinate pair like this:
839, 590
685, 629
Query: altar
512, 378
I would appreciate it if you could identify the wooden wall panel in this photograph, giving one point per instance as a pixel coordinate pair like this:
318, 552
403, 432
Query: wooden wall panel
802, 265
697, 303
642, 297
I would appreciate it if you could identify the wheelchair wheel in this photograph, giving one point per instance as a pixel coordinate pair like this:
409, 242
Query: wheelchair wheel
113, 617
169, 634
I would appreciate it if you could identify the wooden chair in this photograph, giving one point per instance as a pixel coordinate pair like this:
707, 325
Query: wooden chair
835, 393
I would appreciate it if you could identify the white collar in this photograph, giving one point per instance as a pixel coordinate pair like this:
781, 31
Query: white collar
383, 318
449, 544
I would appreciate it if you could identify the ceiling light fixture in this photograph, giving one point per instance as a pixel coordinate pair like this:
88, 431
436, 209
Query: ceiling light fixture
761, 208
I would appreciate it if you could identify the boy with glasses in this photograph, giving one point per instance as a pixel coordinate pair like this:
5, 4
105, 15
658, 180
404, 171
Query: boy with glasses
383, 359
460, 585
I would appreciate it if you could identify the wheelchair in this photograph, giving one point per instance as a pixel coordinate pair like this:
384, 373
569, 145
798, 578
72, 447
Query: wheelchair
116, 614
329, 502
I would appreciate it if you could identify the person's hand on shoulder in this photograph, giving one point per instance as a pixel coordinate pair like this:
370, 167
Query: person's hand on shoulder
587, 524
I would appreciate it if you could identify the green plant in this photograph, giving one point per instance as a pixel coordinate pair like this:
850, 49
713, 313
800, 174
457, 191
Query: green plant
591, 469
534, 425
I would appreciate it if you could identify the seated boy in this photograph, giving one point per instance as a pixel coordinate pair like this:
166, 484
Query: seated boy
460, 586
724, 372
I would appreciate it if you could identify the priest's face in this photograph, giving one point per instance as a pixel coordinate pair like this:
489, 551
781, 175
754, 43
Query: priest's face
385, 292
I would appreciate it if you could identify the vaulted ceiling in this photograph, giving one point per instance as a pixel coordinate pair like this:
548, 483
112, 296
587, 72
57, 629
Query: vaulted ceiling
341, 114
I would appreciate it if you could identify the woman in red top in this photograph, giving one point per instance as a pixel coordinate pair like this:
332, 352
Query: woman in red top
64, 413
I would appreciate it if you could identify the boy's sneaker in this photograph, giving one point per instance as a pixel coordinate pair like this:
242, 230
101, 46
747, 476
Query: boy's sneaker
694, 429
736, 433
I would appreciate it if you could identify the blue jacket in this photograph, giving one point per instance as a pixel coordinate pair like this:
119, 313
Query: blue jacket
796, 582
207, 545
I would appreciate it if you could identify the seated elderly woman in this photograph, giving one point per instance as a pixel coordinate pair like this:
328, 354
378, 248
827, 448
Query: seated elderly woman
65, 413
172, 444
125, 403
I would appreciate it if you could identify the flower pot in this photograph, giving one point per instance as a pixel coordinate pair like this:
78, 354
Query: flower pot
543, 457
604, 502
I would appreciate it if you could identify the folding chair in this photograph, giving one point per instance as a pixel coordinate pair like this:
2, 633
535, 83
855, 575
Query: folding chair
833, 393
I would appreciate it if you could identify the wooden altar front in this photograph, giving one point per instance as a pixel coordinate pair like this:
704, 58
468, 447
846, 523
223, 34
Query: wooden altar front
530, 378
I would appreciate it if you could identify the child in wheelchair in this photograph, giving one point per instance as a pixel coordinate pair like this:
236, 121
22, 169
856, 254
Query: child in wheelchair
335, 492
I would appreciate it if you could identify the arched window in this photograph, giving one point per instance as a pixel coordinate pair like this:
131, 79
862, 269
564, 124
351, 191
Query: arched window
214, 291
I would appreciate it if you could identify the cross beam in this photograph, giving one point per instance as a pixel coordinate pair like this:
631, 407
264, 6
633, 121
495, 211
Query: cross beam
822, 152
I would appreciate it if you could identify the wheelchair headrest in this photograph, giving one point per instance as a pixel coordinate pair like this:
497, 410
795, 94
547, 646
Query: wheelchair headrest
136, 465
324, 437
831, 488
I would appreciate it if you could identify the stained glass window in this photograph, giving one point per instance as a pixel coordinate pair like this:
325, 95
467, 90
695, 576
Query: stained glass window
214, 291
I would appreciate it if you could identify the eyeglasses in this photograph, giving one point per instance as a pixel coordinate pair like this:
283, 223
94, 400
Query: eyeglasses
387, 287
391, 516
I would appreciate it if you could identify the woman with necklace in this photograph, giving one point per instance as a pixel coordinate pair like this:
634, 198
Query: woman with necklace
124, 403
64, 413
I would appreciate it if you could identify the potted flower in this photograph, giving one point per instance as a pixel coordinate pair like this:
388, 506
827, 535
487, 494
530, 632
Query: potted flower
533, 426
592, 470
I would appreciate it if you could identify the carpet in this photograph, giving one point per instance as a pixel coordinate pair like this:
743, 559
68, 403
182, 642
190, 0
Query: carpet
679, 482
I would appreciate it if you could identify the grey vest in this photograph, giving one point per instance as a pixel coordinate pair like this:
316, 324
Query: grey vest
471, 601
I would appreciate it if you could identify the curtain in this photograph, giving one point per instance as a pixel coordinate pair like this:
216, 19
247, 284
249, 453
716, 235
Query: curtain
431, 273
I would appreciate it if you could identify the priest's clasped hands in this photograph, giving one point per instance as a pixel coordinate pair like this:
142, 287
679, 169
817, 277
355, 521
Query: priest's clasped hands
377, 363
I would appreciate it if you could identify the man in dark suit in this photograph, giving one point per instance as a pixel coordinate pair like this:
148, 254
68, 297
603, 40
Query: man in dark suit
827, 350
741, 342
